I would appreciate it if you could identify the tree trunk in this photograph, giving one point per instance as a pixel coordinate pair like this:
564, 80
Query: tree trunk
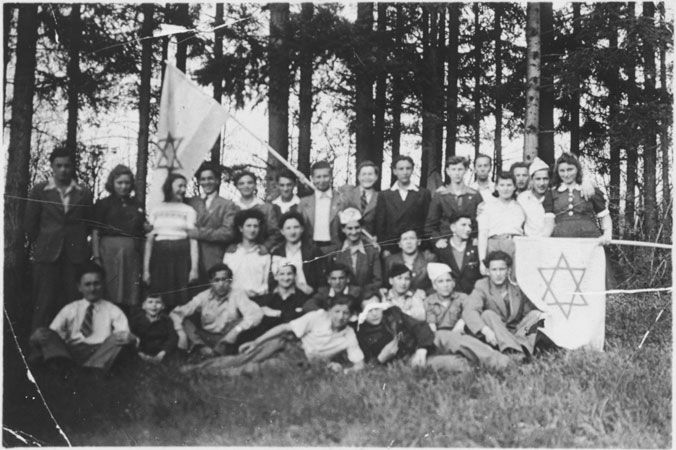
478, 60
18, 162
631, 149
144, 102
530, 150
497, 154
278, 92
546, 113
614, 97
73, 73
8, 11
453, 64
575, 95
218, 82
431, 162
182, 18
305, 92
665, 123
364, 85
650, 131
397, 89
441, 79
381, 90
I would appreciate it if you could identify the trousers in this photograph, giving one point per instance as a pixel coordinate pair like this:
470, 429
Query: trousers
474, 350
516, 338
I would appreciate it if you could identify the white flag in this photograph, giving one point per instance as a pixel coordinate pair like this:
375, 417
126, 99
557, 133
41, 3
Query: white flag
190, 121
565, 278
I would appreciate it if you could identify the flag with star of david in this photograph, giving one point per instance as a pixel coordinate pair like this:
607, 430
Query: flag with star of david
189, 124
565, 278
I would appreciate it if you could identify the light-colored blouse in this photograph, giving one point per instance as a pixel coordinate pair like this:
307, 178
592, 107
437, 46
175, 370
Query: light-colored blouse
498, 217
249, 268
172, 220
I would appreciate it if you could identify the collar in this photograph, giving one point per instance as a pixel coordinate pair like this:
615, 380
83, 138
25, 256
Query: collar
256, 201
293, 247
393, 296
326, 194
51, 184
346, 291
563, 188
464, 189
530, 195
277, 291
294, 201
358, 248
397, 187
436, 298
450, 241
212, 195
214, 297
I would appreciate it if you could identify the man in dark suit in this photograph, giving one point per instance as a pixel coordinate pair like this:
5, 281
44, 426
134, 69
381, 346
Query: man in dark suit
287, 199
460, 254
58, 219
337, 278
403, 207
320, 210
415, 259
364, 196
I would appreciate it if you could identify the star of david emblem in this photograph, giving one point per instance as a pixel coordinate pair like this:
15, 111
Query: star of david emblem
168, 148
551, 298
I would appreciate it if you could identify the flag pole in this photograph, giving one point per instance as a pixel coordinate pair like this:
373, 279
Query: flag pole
640, 244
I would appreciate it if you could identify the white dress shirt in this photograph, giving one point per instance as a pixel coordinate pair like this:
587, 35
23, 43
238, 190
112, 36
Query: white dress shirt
209, 199
500, 217
286, 206
322, 226
106, 319
535, 213
403, 191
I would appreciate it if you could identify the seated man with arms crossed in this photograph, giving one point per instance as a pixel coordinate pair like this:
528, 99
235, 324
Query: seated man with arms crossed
90, 331
224, 313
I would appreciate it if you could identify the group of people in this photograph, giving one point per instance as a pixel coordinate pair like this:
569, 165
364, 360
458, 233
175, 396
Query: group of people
343, 276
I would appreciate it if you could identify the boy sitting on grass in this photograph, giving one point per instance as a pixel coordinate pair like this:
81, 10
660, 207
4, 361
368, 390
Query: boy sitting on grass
321, 335
154, 330
400, 294
337, 278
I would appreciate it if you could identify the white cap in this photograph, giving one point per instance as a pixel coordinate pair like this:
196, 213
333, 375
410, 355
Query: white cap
435, 270
370, 307
536, 165
349, 215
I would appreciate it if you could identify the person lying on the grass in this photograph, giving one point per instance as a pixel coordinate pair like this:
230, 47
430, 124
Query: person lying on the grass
386, 334
91, 331
324, 337
444, 309
224, 313
154, 329
337, 277
400, 295
500, 311
283, 304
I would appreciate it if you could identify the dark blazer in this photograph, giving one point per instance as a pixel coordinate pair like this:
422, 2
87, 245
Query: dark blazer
313, 264
394, 216
54, 230
353, 198
419, 278
483, 298
368, 273
464, 276
445, 205
307, 208
215, 229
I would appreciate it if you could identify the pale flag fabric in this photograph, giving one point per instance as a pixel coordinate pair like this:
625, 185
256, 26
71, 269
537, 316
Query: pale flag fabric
189, 124
565, 278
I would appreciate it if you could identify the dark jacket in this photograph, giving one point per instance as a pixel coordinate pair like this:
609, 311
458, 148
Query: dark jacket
215, 229
368, 273
155, 336
413, 334
419, 278
445, 205
394, 216
53, 230
321, 298
368, 215
466, 275
313, 264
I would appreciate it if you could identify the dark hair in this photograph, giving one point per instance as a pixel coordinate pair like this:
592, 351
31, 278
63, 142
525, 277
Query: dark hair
244, 173
323, 164
337, 266
153, 296
370, 293
498, 255
368, 163
406, 230
342, 299
298, 217
252, 213
455, 217
482, 155
295, 270
286, 173
90, 267
168, 182
61, 151
219, 267
398, 269
342, 236
566, 158
116, 173
503, 175
208, 165
453, 160
517, 165
399, 158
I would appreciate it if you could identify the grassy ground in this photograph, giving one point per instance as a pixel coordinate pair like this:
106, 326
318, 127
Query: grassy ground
620, 398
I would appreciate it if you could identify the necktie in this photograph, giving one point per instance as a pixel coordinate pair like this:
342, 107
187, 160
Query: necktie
364, 202
86, 328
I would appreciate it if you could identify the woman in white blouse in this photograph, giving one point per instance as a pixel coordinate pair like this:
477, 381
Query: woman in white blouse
248, 258
500, 220
170, 260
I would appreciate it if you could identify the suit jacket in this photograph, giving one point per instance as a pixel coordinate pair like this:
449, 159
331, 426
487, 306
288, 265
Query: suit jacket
53, 230
445, 205
466, 275
353, 198
394, 216
419, 278
483, 298
307, 208
215, 229
368, 273
313, 265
